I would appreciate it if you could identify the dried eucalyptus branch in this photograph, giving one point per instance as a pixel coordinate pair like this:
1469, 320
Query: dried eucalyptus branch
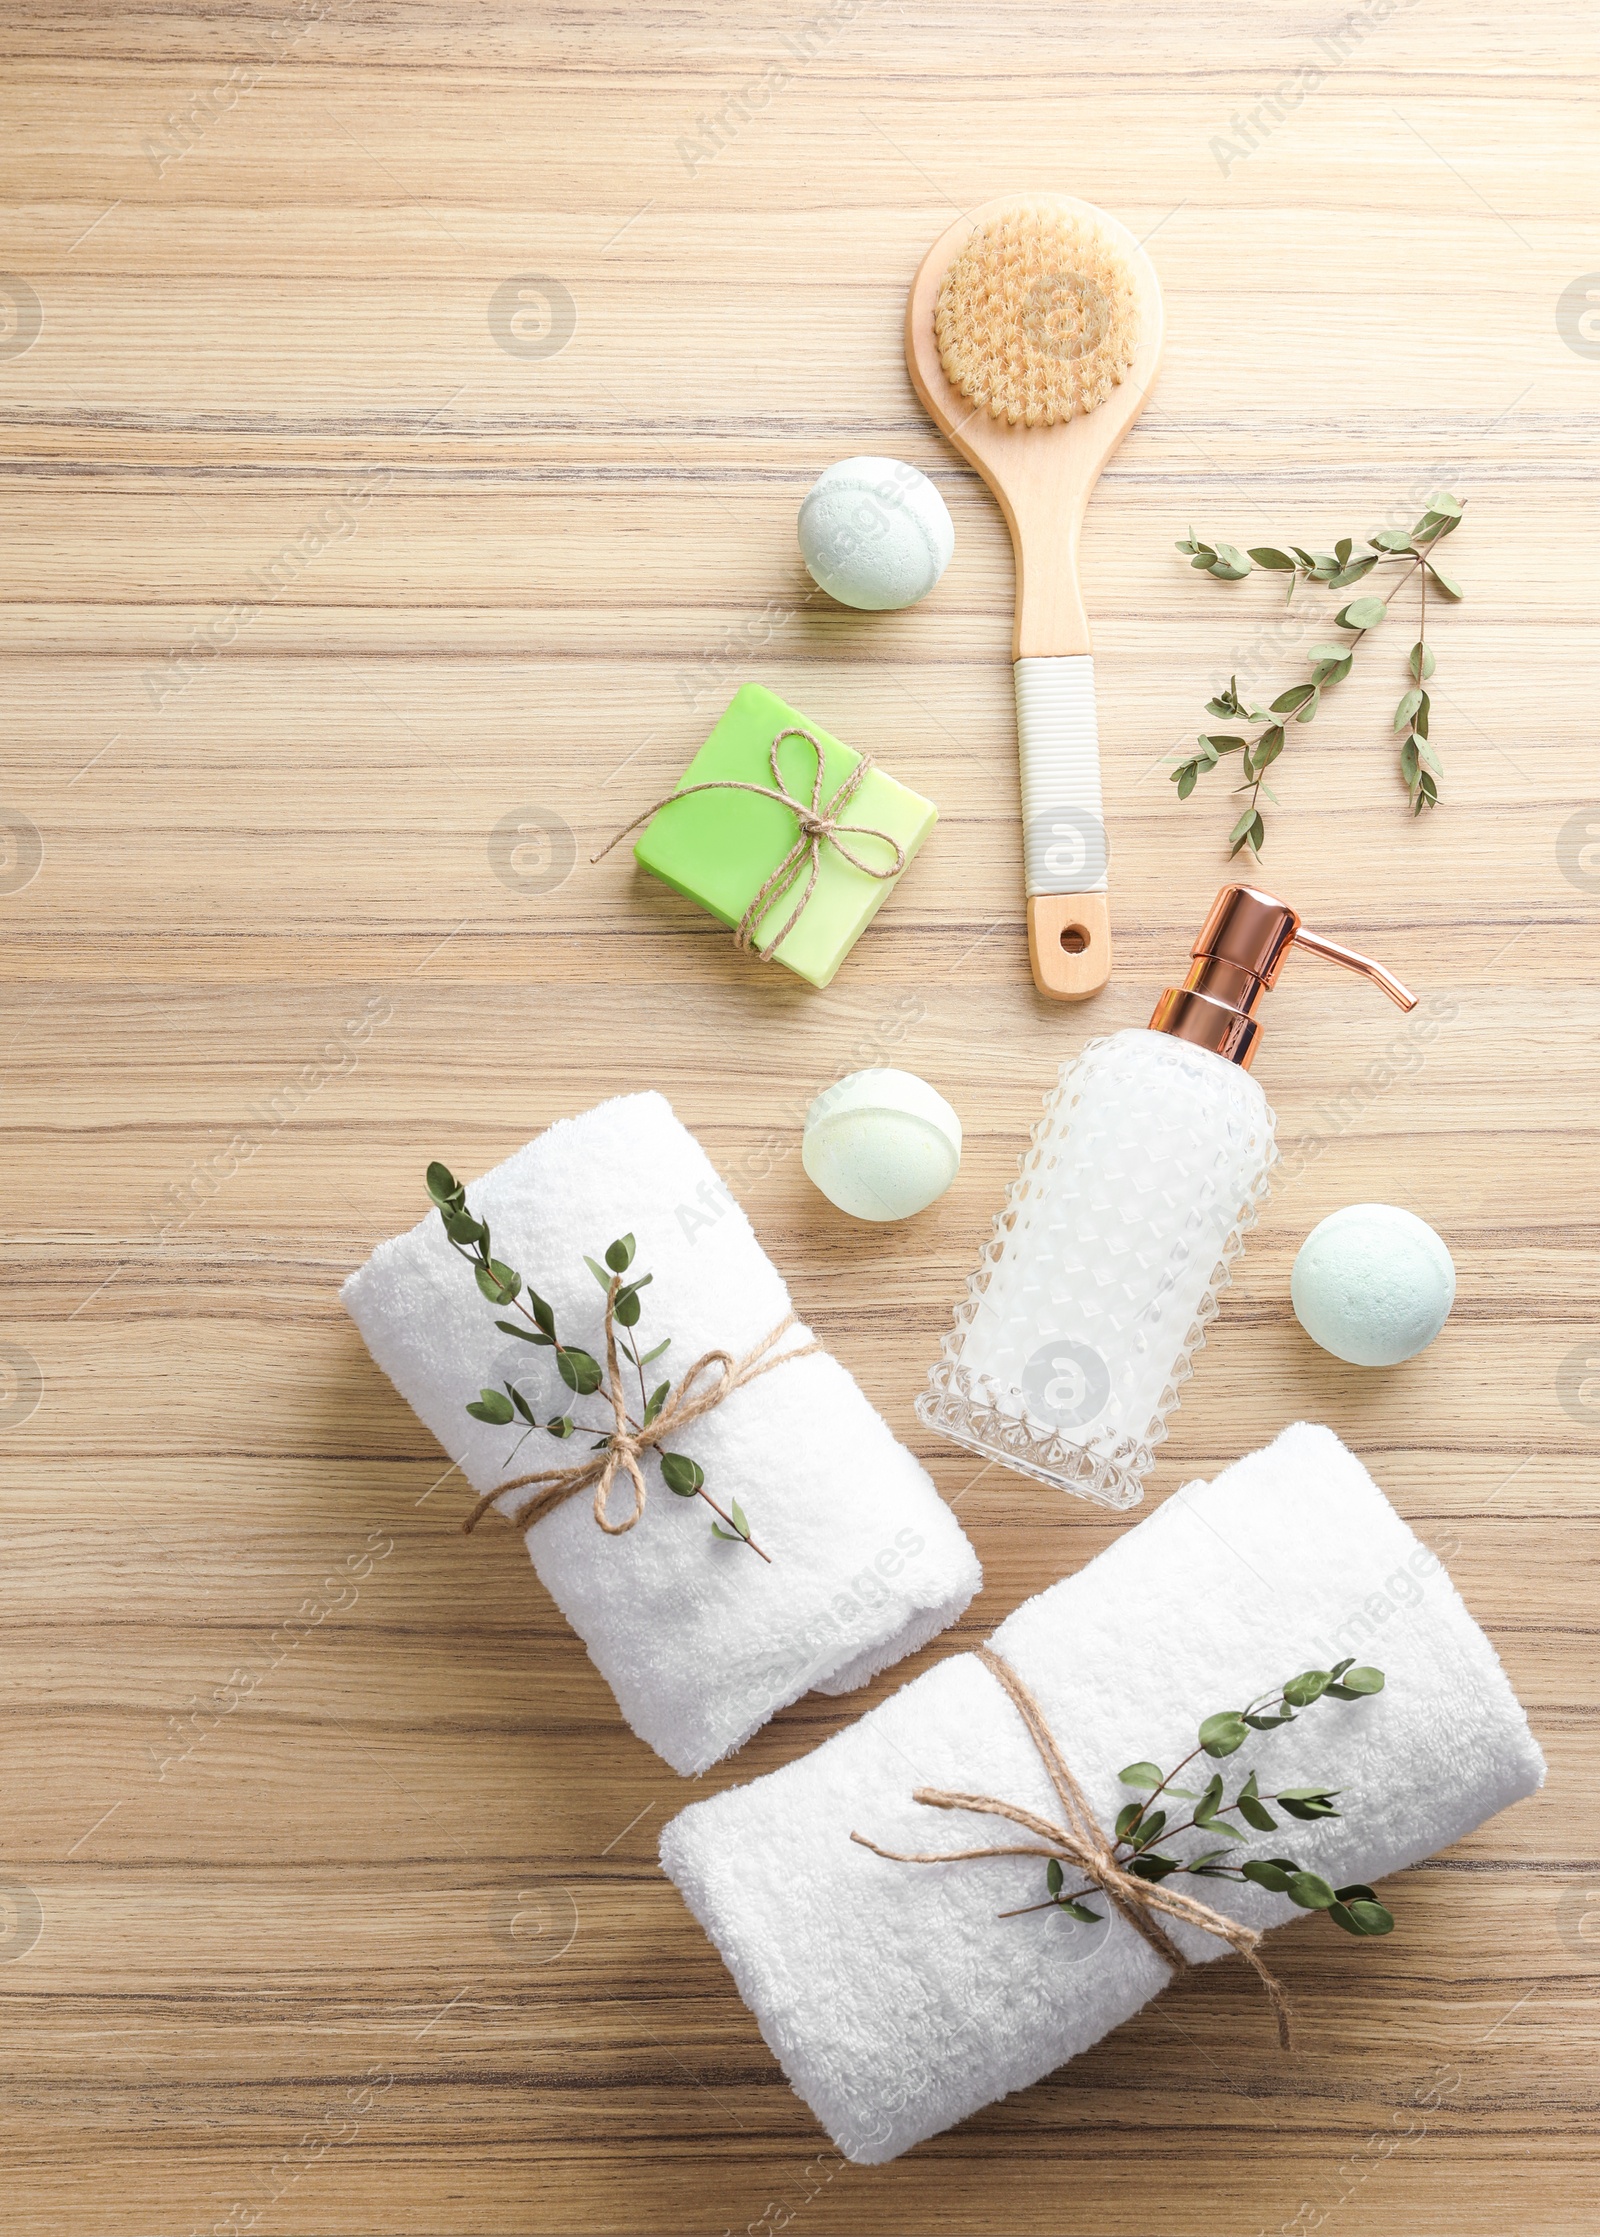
1140, 1825
1414, 553
579, 1370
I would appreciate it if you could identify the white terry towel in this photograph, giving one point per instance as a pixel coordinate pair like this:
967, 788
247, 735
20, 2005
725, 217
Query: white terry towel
700, 1640
894, 1998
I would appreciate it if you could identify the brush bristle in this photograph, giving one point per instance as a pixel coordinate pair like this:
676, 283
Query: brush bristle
1037, 318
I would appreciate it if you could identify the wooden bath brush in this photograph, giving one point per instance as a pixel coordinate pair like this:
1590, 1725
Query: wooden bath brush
1032, 333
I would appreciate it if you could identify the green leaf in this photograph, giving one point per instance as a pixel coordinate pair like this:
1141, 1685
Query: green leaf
1268, 747
1353, 572
1421, 662
1361, 613
1184, 778
1342, 550
1269, 1872
732, 1536
1306, 1793
1141, 1775
1362, 1917
1277, 562
1296, 696
1410, 701
599, 1272
1252, 1809
560, 1425
681, 1474
738, 1514
1240, 834
1447, 583
656, 1350
1206, 1856
497, 1282
627, 1308
1356, 1888
1306, 1811
541, 1312
1259, 1721
1053, 1875
1392, 539
579, 1370
1310, 1891
1230, 564
1079, 1911
1153, 1867
1210, 1802
619, 1255
1446, 506
527, 1335
461, 1227
1423, 715
1230, 1832
655, 1402
1363, 1679
491, 1405
1224, 1732
443, 1186
1127, 1817
1151, 1830
1310, 1686
521, 1404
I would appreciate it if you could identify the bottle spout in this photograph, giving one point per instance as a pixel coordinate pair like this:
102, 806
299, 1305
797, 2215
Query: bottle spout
1241, 949
1401, 996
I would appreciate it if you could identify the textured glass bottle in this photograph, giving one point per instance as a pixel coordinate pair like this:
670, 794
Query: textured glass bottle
1145, 1173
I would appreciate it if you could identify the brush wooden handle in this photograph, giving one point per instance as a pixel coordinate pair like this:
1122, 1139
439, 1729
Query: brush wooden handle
1041, 478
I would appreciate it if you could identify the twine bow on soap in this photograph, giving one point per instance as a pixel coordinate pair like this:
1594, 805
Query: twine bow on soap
1083, 1843
819, 824
714, 1376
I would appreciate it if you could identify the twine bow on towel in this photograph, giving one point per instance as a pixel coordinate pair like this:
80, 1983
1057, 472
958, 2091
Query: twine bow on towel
819, 823
712, 1378
1082, 1842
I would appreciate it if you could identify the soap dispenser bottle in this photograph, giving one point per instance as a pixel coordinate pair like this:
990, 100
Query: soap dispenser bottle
1146, 1170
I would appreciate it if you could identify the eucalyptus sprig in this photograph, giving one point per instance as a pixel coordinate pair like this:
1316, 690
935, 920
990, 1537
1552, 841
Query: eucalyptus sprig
1414, 551
581, 1372
1140, 1825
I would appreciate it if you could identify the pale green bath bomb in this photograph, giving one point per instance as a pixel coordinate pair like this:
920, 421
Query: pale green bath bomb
881, 1144
1373, 1285
875, 533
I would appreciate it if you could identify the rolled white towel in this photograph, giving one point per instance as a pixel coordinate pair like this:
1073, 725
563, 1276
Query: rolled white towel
895, 1998
700, 1641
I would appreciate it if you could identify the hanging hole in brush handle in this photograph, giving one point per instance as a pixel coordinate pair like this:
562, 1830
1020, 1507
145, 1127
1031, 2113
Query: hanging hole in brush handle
1063, 826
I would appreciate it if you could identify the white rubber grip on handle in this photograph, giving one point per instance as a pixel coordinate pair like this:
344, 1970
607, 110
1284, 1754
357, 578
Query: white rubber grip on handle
1058, 742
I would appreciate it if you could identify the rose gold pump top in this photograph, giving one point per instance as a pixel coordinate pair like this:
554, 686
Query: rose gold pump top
1237, 957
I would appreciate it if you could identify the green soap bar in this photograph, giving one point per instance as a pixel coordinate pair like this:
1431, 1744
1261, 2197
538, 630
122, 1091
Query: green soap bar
720, 848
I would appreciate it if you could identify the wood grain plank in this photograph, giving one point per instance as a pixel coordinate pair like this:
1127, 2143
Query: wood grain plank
362, 1936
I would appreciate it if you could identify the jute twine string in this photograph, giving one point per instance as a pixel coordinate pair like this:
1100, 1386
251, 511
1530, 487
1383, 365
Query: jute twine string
709, 1381
819, 824
1082, 1842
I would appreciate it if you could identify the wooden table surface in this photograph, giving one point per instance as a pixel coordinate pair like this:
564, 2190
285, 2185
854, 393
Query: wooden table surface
366, 1934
